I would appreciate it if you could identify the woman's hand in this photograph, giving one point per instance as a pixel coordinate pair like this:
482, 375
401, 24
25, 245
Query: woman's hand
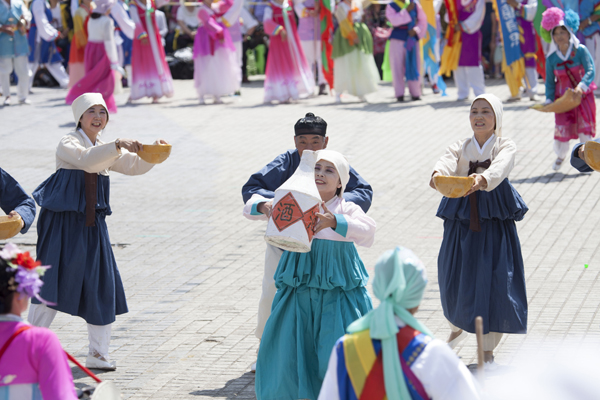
431, 183
265, 208
131, 145
161, 141
479, 184
13, 214
326, 220
578, 90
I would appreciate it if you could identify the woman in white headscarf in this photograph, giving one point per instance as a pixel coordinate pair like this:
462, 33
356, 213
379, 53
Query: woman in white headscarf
480, 266
72, 234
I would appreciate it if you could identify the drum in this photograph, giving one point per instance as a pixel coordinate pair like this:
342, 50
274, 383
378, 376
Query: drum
295, 207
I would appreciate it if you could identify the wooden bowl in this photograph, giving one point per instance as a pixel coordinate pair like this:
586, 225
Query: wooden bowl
568, 101
9, 227
592, 155
453, 186
155, 153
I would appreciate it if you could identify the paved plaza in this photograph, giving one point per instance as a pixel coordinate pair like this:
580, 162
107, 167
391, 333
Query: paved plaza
192, 265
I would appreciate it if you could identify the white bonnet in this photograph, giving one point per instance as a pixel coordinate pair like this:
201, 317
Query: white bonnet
85, 101
496, 104
341, 164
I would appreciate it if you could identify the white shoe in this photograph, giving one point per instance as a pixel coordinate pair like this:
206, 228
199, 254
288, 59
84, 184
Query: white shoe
338, 99
99, 362
218, 100
26, 102
362, 98
453, 343
7, 101
557, 164
253, 367
490, 366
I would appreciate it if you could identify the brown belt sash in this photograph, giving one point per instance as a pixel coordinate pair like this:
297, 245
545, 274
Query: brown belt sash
474, 224
91, 183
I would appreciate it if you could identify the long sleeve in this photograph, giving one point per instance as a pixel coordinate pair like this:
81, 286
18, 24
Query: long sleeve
14, 197
421, 26
232, 15
109, 41
353, 224
248, 19
346, 27
214, 29
588, 64
550, 79
473, 23
251, 208
358, 191
577, 163
329, 389
397, 18
161, 22
271, 27
270, 177
501, 165
56, 380
44, 28
529, 10
93, 160
447, 164
124, 22
130, 164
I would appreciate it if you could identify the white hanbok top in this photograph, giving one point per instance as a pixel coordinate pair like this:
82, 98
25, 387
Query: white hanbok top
101, 30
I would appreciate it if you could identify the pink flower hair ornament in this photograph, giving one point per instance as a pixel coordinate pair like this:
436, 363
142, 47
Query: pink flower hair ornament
551, 18
27, 271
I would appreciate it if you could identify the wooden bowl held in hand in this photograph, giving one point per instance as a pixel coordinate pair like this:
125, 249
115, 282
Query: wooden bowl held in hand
453, 186
592, 155
9, 227
155, 153
568, 101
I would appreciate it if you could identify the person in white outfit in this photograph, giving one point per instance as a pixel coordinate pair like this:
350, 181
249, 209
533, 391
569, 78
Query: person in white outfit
14, 19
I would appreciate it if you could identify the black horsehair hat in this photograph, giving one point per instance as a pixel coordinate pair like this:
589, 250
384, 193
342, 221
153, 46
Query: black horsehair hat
311, 125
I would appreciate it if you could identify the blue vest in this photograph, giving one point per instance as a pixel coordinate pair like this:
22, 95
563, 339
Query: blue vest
45, 52
401, 32
12, 46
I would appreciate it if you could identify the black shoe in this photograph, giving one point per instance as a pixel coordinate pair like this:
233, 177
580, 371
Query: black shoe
415, 98
322, 89
400, 98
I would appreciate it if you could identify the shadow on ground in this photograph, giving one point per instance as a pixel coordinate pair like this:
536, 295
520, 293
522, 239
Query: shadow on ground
238, 388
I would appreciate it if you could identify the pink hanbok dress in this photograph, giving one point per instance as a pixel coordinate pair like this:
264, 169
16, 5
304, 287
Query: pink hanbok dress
151, 76
34, 365
100, 54
216, 70
288, 75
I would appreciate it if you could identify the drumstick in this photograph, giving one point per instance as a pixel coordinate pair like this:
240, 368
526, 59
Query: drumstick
84, 369
479, 334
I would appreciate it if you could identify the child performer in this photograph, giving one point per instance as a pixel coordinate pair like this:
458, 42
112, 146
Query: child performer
480, 266
354, 68
151, 74
77, 53
72, 234
288, 75
410, 24
309, 31
319, 293
469, 73
415, 365
101, 59
14, 18
216, 70
569, 66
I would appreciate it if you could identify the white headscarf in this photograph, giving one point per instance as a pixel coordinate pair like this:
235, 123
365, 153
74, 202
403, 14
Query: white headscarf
573, 43
496, 104
340, 163
85, 101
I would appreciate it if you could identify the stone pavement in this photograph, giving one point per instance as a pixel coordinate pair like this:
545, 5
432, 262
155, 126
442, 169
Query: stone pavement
192, 265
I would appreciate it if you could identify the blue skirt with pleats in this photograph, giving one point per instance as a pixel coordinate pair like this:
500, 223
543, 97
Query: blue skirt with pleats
83, 279
482, 273
318, 295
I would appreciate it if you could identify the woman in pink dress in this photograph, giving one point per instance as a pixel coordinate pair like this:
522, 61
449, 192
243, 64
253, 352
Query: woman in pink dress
101, 59
151, 74
33, 365
288, 76
216, 70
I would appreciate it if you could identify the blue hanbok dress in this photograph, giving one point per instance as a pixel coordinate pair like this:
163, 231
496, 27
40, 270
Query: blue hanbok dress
319, 294
480, 266
14, 198
84, 280
42, 51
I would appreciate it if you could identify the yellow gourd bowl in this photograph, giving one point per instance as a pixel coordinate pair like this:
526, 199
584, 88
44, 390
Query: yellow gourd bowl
568, 101
453, 186
155, 153
592, 155
9, 227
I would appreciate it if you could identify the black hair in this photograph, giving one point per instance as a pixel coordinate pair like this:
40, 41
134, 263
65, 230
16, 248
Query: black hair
8, 286
311, 124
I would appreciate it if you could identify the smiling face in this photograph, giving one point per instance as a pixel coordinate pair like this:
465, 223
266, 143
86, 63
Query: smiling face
483, 120
327, 179
94, 119
310, 142
561, 36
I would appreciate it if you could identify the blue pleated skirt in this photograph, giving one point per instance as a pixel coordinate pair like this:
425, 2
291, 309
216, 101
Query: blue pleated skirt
482, 273
83, 279
318, 295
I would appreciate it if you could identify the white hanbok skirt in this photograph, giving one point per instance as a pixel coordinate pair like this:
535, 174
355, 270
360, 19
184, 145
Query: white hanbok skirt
217, 75
355, 73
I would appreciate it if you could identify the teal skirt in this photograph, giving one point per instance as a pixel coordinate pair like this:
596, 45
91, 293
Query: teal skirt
318, 295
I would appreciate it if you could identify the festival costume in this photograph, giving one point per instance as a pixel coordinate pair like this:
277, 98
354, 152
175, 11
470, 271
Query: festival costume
14, 197
288, 75
100, 61
469, 74
577, 163
14, 50
525, 14
354, 69
77, 54
405, 54
73, 236
41, 44
480, 266
264, 183
151, 74
319, 294
124, 31
232, 19
309, 32
216, 69
588, 8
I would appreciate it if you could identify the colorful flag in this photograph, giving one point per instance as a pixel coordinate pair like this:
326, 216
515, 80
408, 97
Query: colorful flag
326, 17
513, 62
430, 45
451, 53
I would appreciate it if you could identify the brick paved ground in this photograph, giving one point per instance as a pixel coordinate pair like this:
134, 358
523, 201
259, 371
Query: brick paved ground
192, 266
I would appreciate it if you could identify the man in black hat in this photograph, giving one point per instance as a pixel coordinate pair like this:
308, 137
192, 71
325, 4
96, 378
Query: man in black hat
310, 134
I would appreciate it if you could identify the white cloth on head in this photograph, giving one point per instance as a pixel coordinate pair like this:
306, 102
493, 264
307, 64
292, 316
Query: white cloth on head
85, 101
340, 163
496, 104
573, 43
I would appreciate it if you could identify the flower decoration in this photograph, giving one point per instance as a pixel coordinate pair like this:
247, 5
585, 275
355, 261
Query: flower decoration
28, 271
572, 20
552, 17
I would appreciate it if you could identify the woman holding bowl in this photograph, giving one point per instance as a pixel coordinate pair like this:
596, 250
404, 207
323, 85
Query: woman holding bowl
480, 266
72, 234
